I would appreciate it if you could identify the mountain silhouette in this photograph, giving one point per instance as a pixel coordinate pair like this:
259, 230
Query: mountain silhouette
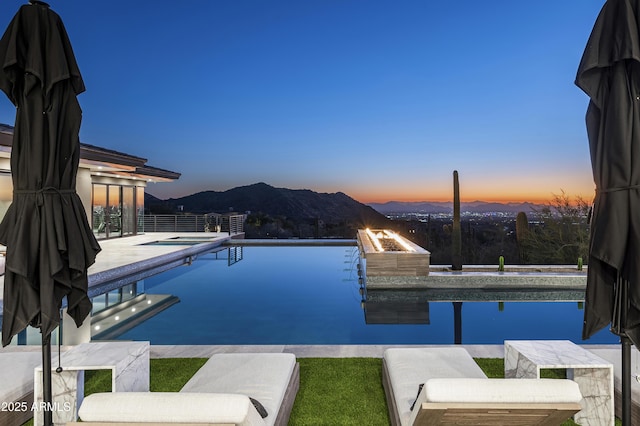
433, 207
412, 207
294, 204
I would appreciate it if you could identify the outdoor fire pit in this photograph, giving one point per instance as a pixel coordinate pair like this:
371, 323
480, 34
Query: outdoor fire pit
389, 260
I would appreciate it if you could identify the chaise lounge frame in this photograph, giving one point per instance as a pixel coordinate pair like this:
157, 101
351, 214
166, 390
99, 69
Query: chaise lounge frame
495, 414
503, 414
282, 419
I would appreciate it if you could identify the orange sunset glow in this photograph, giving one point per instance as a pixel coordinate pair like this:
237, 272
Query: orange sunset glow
537, 189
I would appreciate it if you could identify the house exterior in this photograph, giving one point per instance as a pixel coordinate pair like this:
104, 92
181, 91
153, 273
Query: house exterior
111, 185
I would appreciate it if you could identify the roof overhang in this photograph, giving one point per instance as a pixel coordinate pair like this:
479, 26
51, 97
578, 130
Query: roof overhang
103, 162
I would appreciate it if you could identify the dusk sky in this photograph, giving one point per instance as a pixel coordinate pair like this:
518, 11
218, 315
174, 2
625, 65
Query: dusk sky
381, 100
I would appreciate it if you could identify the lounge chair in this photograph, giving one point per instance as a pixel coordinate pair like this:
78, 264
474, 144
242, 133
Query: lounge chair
230, 389
16, 386
456, 391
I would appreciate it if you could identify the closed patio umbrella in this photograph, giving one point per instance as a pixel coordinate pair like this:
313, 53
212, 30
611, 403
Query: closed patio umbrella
609, 73
49, 242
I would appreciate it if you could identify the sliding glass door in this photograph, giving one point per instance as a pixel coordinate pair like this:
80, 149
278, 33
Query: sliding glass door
114, 210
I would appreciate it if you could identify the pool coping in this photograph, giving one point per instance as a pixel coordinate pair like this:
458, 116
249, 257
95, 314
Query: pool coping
305, 351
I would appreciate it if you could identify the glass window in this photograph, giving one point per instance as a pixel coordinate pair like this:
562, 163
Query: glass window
99, 303
129, 292
114, 297
117, 210
114, 221
99, 208
140, 208
128, 211
6, 193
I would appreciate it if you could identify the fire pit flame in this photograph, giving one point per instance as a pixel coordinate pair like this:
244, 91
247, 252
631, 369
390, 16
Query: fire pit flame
388, 241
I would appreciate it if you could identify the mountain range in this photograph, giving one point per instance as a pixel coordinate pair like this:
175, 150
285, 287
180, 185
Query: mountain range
294, 204
304, 204
435, 207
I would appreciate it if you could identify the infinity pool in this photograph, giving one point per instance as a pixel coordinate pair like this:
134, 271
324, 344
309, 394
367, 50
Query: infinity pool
312, 295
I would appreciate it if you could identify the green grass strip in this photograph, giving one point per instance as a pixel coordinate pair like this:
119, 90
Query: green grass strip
340, 391
171, 374
166, 375
333, 391
494, 369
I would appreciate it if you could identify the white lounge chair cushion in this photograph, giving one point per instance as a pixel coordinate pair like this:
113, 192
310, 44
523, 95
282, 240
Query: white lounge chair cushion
262, 376
528, 391
409, 367
169, 407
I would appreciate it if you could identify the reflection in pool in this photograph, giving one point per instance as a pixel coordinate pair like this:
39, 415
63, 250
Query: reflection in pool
312, 295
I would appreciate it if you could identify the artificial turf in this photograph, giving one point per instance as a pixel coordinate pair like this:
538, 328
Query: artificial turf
333, 391
166, 375
340, 391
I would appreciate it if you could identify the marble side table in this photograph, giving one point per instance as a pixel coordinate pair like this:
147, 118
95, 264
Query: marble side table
594, 375
128, 362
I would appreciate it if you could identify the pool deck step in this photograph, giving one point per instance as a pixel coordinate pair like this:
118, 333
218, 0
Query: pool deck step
304, 351
308, 351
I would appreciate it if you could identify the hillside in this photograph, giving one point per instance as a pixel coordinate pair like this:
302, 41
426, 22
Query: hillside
294, 204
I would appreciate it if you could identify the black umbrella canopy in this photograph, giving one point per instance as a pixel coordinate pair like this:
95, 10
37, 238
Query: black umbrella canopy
49, 242
609, 73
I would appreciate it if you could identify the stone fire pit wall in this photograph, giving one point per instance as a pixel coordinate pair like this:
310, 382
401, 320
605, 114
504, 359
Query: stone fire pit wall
405, 268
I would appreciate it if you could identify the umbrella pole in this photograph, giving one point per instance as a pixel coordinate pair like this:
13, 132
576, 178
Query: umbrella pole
626, 380
457, 323
47, 396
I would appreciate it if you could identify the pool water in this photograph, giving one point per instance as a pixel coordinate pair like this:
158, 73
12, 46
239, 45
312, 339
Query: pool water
311, 295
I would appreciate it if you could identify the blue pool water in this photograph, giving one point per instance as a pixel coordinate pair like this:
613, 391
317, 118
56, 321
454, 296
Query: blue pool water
311, 295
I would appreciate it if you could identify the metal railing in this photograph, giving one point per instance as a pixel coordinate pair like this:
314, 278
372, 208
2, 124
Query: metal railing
233, 224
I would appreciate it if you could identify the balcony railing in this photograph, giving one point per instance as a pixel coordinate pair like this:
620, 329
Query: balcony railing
232, 224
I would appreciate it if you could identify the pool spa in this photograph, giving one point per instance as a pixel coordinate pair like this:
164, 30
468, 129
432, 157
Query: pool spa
314, 295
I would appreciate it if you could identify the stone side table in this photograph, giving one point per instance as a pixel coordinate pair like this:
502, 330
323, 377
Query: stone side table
594, 375
128, 362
